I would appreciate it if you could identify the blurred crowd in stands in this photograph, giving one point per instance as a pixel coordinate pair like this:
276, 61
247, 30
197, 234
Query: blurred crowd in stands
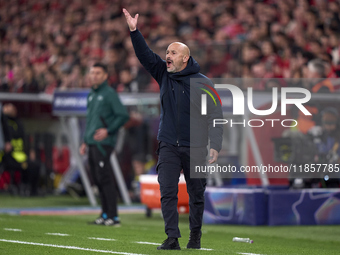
49, 44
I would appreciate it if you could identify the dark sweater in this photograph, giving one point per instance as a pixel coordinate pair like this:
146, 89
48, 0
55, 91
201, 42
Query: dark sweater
178, 109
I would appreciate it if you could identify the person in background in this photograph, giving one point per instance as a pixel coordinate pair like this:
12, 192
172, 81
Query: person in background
14, 156
316, 82
30, 84
105, 116
318, 73
326, 137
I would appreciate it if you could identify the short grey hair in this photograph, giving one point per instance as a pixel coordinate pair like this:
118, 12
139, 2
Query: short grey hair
318, 66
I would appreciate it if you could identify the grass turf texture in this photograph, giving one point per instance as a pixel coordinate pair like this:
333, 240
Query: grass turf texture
8, 201
136, 227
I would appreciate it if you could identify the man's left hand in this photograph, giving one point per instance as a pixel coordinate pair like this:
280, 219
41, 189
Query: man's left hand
213, 156
100, 134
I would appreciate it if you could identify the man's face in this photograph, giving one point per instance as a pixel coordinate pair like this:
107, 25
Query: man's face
176, 60
97, 76
10, 110
329, 122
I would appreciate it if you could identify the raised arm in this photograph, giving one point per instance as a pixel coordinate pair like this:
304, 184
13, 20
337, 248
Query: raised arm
132, 22
151, 61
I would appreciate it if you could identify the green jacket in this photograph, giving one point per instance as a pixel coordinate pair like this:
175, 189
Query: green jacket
104, 110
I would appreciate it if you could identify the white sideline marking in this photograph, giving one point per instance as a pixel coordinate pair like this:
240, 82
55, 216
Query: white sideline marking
102, 239
148, 243
206, 249
68, 247
13, 229
249, 253
57, 234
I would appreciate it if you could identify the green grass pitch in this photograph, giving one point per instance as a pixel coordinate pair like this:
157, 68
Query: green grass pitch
137, 228
33, 237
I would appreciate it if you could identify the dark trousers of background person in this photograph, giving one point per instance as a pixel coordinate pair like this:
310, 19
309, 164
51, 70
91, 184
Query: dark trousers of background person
102, 174
30, 174
171, 160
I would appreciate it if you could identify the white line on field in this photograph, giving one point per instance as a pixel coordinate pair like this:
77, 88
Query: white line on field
148, 243
102, 239
68, 247
13, 229
249, 253
57, 234
206, 249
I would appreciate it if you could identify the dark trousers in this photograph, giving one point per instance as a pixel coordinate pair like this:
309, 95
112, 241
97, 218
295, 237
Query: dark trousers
29, 170
102, 174
171, 161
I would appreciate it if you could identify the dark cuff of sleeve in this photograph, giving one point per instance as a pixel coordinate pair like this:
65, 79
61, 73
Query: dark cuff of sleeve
215, 146
134, 32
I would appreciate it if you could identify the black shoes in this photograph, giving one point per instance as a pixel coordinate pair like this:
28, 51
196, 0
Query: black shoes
194, 240
171, 243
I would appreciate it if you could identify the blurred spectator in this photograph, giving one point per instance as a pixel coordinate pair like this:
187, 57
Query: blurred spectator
229, 38
51, 82
127, 84
137, 141
334, 41
317, 72
139, 74
218, 62
30, 84
16, 159
5, 142
326, 138
317, 82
